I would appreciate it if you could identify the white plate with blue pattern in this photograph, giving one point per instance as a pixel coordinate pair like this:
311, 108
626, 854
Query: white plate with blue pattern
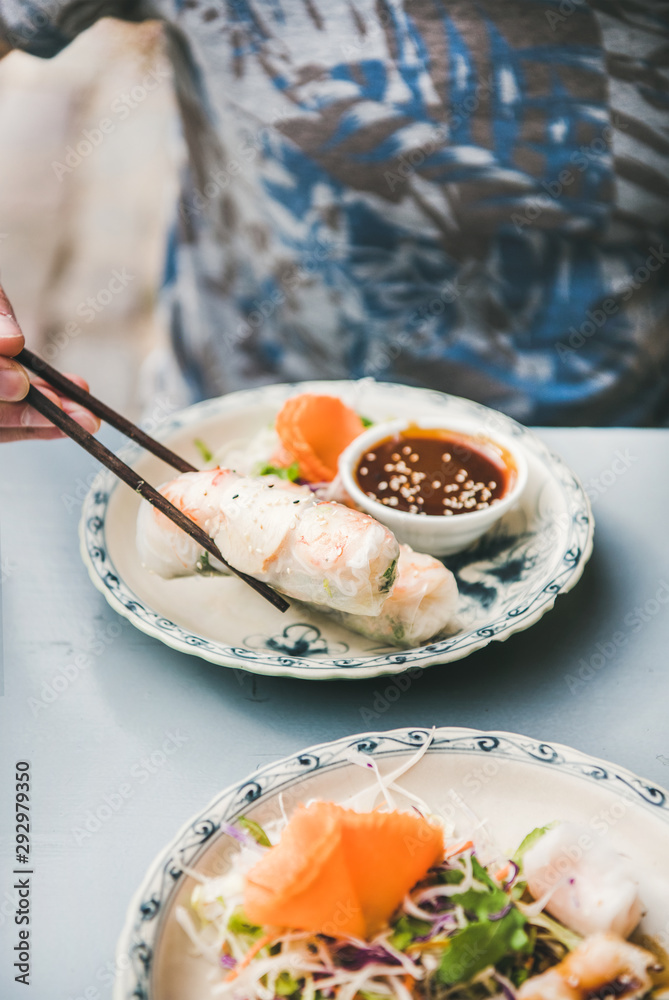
513, 782
507, 580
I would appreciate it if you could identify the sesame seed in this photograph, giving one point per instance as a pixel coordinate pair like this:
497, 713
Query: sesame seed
406, 450
383, 485
448, 513
435, 484
481, 506
492, 485
469, 484
446, 457
388, 468
420, 500
395, 457
370, 494
370, 456
364, 470
413, 509
393, 501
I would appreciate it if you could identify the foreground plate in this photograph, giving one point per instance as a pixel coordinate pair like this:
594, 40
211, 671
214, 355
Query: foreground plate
513, 782
507, 580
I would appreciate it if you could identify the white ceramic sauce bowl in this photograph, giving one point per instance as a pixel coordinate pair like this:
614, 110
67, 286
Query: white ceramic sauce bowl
435, 533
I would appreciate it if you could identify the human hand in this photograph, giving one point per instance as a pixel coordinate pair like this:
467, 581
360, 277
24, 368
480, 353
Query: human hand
18, 420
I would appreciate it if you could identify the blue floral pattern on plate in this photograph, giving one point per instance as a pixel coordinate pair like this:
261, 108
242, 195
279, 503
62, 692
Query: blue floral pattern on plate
298, 639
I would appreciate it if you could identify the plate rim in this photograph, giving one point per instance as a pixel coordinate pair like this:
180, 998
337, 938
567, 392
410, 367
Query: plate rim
308, 668
122, 981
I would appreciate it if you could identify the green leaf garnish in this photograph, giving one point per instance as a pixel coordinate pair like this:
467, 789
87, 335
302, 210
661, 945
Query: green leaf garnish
206, 452
406, 929
530, 840
388, 577
254, 830
518, 976
481, 875
286, 985
482, 943
481, 904
239, 924
291, 472
365, 421
570, 939
451, 876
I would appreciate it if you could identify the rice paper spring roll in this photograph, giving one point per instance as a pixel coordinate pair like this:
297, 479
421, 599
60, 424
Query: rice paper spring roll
312, 550
422, 604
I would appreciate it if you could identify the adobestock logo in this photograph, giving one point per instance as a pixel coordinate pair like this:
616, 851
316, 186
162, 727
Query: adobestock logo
139, 773
596, 486
121, 107
596, 318
608, 650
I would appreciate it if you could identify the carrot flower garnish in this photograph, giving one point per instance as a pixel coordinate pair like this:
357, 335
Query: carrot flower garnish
314, 430
339, 872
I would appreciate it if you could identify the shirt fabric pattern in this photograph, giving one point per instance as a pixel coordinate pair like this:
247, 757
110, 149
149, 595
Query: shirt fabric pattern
463, 194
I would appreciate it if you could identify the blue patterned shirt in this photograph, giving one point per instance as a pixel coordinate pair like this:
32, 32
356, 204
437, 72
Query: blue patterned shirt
469, 195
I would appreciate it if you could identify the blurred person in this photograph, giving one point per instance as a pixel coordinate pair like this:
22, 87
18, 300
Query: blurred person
466, 195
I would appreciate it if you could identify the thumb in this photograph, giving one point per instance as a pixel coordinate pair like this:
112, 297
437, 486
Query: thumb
14, 382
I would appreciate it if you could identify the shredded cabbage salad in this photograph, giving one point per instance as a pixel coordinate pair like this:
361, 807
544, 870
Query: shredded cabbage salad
468, 931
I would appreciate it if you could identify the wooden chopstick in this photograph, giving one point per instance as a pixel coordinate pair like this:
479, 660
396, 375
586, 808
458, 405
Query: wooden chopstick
62, 420
69, 388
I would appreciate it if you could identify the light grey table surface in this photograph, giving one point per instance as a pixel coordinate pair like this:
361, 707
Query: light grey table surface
129, 695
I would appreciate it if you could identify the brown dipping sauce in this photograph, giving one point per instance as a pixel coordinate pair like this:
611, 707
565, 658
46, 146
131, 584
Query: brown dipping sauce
435, 472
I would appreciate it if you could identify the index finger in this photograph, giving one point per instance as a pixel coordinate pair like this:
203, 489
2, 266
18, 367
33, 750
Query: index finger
11, 338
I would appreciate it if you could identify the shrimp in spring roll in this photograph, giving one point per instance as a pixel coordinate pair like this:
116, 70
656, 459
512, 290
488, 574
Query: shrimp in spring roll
421, 606
315, 551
